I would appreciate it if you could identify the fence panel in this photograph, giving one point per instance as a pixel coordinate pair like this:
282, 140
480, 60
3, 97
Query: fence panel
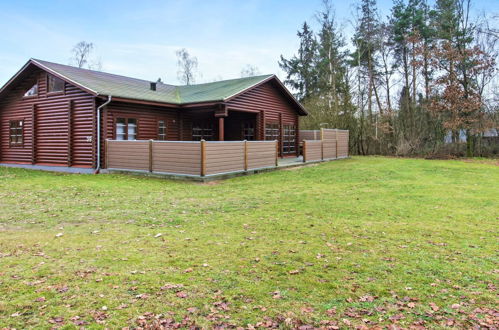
328, 134
261, 154
177, 157
224, 157
128, 155
342, 143
308, 134
312, 150
329, 149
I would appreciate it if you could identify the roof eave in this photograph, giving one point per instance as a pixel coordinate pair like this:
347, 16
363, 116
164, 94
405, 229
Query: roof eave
11, 80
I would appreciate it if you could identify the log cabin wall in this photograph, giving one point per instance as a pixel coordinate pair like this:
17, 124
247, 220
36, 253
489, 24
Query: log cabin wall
57, 127
270, 105
147, 120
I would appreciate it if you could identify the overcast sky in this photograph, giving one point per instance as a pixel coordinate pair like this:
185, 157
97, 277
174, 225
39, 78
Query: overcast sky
138, 38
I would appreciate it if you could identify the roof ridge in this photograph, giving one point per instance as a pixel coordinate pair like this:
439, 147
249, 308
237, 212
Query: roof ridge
144, 80
96, 71
227, 80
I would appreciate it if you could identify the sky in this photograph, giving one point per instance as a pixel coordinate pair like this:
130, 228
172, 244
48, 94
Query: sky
138, 38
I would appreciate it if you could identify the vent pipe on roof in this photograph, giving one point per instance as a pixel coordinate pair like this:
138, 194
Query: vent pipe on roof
153, 86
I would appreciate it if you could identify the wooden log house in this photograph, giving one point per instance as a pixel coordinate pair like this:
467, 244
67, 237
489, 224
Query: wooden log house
56, 115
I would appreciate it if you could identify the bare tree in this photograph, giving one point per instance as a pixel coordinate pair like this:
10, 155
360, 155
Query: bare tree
249, 71
187, 67
81, 56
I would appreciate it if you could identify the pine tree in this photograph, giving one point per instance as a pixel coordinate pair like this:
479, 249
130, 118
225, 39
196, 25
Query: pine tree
301, 69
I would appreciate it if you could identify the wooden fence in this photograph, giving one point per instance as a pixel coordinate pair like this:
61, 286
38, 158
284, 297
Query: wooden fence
195, 158
206, 158
333, 144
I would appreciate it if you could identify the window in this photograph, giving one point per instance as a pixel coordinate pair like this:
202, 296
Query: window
289, 139
248, 130
55, 84
202, 131
161, 130
272, 131
33, 91
126, 129
16, 133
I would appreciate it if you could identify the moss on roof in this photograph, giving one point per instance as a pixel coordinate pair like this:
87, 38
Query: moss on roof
103, 83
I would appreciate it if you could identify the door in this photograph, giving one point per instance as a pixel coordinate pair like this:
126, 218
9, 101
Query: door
289, 139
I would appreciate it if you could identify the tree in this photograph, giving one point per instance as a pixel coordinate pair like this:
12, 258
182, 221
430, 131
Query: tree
187, 67
81, 56
249, 71
300, 70
331, 59
456, 98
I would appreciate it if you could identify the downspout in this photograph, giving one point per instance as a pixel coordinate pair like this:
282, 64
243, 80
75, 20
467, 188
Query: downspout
109, 98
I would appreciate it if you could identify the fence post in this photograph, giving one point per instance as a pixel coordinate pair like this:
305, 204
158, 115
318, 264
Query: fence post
276, 152
304, 151
203, 157
150, 155
336, 143
245, 155
336, 148
106, 154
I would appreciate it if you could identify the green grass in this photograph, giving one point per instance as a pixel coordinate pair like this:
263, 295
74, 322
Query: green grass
363, 241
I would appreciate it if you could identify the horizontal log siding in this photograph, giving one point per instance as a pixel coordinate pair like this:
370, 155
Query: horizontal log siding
343, 137
268, 99
128, 155
224, 157
176, 157
51, 127
328, 149
261, 154
313, 150
147, 118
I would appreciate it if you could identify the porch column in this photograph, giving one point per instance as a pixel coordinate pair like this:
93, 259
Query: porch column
221, 128
221, 112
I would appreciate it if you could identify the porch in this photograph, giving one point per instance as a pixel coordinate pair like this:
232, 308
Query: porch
233, 124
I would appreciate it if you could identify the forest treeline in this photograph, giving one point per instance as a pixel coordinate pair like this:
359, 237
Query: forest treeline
420, 82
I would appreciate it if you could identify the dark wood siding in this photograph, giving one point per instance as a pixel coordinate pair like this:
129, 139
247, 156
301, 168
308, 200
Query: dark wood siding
147, 120
271, 105
62, 136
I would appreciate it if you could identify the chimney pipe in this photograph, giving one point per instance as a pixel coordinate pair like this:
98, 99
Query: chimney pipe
153, 86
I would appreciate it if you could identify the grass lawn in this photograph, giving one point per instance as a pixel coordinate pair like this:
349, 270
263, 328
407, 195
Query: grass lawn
360, 242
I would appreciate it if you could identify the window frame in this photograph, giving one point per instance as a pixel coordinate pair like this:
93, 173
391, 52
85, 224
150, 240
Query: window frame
248, 130
288, 144
58, 92
276, 128
126, 118
204, 127
34, 95
165, 127
19, 127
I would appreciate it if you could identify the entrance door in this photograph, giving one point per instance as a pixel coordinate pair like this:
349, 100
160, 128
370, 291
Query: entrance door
289, 139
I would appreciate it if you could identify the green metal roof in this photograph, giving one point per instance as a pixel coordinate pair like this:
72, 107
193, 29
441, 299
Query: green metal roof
102, 83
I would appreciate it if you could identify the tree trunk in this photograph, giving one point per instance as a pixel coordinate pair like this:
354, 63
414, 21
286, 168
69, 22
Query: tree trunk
469, 143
